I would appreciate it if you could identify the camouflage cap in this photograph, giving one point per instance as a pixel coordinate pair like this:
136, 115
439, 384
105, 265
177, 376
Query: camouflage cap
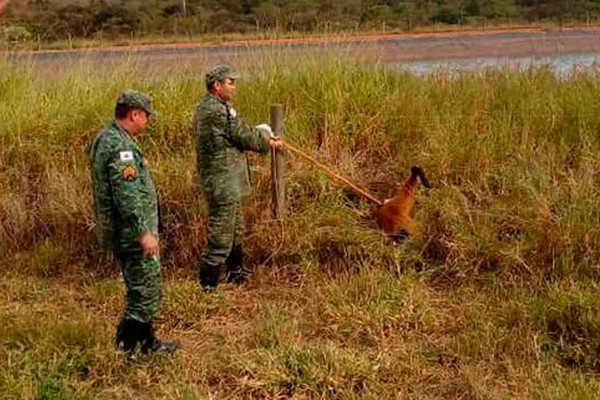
136, 99
219, 73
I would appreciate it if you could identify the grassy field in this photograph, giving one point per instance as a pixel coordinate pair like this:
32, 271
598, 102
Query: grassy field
497, 299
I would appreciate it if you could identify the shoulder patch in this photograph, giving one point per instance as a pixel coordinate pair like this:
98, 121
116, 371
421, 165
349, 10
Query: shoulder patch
126, 155
129, 173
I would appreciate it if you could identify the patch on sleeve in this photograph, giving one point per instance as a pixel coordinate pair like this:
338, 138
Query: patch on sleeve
232, 112
126, 155
130, 173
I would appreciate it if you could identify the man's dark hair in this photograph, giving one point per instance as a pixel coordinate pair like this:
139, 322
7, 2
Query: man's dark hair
209, 86
122, 110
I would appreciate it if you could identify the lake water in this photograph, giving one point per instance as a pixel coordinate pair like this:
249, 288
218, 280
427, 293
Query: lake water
562, 65
562, 50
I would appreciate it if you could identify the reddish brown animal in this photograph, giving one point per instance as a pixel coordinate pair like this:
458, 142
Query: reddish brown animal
394, 215
3, 4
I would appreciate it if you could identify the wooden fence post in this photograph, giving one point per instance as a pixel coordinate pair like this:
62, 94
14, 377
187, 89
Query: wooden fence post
277, 164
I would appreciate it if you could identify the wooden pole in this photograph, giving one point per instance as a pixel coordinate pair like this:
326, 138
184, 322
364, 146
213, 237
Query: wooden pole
335, 176
277, 164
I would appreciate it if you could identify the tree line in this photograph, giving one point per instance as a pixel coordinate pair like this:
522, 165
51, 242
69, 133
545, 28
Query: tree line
48, 20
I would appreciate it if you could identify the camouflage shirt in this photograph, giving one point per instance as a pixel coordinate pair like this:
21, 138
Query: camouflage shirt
125, 204
221, 139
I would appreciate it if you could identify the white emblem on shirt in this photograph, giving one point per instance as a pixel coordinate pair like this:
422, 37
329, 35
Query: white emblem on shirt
126, 155
232, 112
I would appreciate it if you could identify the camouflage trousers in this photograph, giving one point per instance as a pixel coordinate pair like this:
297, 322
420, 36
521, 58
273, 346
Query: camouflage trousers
143, 282
225, 228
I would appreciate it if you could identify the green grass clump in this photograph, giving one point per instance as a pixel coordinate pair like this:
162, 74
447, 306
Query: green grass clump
569, 317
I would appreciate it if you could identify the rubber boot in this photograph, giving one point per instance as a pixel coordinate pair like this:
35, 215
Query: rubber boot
129, 333
235, 266
151, 344
209, 276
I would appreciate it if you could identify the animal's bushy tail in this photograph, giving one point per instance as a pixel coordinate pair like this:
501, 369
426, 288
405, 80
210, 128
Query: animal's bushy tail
417, 172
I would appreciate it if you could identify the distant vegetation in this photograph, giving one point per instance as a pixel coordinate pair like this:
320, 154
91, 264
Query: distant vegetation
52, 20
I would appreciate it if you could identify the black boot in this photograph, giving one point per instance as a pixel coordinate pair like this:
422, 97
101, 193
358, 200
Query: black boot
235, 266
209, 276
128, 335
151, 344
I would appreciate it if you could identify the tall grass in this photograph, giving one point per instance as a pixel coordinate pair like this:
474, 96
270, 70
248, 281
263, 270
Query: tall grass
495, 300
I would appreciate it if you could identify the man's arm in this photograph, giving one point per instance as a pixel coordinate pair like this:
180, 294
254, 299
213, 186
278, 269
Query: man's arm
252, 138
128, 193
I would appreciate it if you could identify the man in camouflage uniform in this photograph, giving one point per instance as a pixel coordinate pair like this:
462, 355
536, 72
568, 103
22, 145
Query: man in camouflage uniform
126, 212
221, 140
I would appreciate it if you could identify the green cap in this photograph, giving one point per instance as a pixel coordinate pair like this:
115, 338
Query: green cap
219, 73
136, 99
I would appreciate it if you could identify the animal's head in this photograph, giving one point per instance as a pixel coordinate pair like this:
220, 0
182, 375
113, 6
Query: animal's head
417, 172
